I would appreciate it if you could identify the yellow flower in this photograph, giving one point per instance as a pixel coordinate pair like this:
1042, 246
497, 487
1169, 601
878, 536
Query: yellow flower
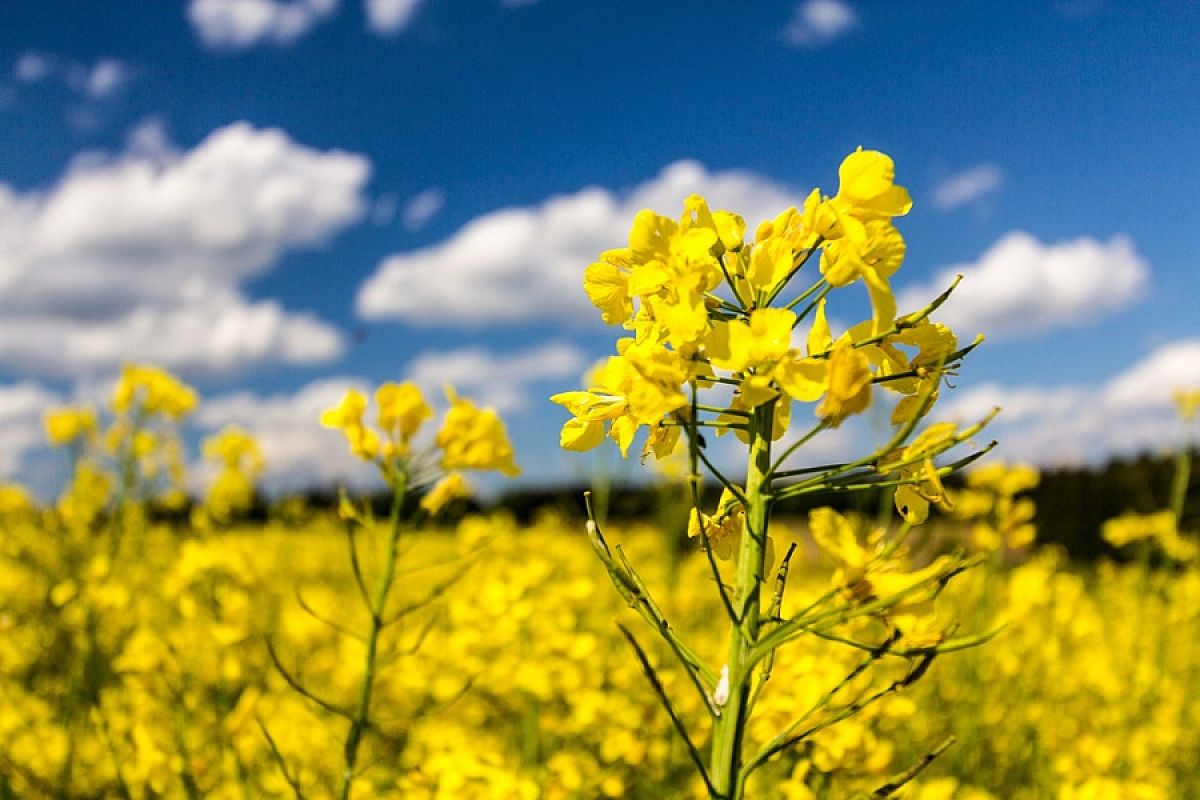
639, 387
770, 262
14, 499
863, 572
670, 267
607, 285
346, 416
474, 438
234, 447
723, 528
913, 499
849, 389
1158, 527
402, 409
154, 391
70, 424
762, 341
867, 187
452, 486
1188, 403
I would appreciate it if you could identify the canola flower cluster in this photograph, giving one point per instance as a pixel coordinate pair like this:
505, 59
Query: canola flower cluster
713, 314
700, 301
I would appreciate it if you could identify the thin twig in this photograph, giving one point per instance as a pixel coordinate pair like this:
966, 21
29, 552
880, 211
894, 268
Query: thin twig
652, 676
279, 759
896, 783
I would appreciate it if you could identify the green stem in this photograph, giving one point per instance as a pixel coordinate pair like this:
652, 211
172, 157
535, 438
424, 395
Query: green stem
361, 719
1183, 474
730, 728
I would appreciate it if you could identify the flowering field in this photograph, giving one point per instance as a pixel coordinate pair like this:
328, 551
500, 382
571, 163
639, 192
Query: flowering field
151, 676
160, 646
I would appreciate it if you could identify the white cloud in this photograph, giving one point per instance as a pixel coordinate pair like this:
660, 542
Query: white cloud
423, 207
390, 16
299, 453
96, 82
143, 256
236, 24
21, 408
819, 22
520, 264
32, 67
498, 381
966, 186
1021, 286
104, 79
1071, 424
1150, 382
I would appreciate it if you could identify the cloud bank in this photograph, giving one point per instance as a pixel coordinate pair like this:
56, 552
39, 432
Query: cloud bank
1021, 286
142, 256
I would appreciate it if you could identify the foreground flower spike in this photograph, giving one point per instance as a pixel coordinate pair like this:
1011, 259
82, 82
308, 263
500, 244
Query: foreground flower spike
710, 313
471, 438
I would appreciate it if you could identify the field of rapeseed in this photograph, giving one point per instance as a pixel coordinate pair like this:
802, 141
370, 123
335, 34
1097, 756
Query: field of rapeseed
150, 676
159, 648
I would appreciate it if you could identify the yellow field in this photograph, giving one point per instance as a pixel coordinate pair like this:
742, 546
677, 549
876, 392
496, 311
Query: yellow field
151, 676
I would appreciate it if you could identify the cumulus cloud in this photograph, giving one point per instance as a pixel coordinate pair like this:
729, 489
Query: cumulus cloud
967, 186
520, 264
143, 255
237, 24
498, 381
423, 207
21, 408
1022, 286
1071, 424
390, 16
105, 78
33, 67
819, 22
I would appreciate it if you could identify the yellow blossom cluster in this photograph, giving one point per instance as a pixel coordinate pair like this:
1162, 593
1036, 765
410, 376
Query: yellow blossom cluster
996, 504
470, 437
240, 464
705, 307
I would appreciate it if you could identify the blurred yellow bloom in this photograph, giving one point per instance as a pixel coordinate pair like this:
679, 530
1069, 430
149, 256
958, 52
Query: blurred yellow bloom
474, 438
863, 573
14, 499
70, 424
451, 487
154, 391
1188, 403
347, 416
1159, 527
402, 409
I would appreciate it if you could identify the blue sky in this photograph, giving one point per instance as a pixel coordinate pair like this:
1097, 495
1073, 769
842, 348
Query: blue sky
277, 198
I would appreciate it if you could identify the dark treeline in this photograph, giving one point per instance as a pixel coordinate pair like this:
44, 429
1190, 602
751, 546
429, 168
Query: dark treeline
1072, 503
